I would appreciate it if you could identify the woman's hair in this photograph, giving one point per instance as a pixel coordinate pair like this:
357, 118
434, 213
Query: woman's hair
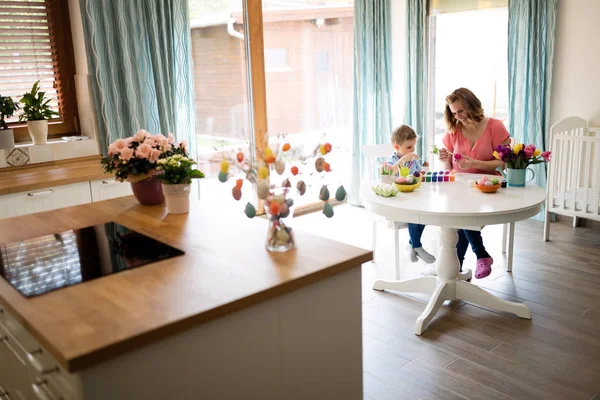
470, 104
402, 134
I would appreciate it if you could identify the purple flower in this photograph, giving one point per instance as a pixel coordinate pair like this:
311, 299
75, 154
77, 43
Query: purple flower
457, 157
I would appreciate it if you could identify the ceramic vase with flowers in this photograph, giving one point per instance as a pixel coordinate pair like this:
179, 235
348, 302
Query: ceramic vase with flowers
178, 172
134, 160
280, 170
518, 158
385, 172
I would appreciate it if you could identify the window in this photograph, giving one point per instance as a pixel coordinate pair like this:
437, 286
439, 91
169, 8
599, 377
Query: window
468, 48
276, 59
35, 44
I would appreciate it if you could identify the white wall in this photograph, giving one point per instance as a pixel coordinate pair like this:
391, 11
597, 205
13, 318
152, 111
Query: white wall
576, 74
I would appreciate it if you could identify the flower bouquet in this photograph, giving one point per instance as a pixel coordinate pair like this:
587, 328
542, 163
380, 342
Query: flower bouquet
517, 159
178, 172
134, 159
273, 175
385, 171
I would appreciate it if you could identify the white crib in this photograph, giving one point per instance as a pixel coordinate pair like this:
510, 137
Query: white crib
574, 172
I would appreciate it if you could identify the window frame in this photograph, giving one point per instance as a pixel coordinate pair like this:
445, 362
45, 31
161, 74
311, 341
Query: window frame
60, 33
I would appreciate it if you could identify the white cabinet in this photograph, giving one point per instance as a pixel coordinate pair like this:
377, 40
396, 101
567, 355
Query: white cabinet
14, 382
12, 205
109, 189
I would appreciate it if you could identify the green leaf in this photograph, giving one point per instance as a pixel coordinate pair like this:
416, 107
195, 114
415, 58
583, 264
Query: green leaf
195, 173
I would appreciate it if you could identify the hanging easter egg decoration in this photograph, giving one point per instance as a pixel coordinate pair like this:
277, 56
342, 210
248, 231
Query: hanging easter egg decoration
319, 164
223, 176
236, 193
324, 193
269, 157
328, 210
290, 202
263, 190
284, 210
301, 186
340, 193
322, 149
240, 157
294, 170
286, 183
327, 147
263, 172
280, 167
250, 211
239, 183
286, 147
225, 166
326, 167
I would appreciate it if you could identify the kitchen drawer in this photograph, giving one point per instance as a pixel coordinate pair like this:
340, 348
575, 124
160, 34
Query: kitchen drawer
14, 383
105, 189
12, 205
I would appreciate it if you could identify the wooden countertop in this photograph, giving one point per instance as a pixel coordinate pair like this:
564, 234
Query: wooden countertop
40, 176
226, 268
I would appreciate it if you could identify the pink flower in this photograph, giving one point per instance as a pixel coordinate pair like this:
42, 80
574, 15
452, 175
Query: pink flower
171, 137
143, 151
158, 137
141, 135
117, 146
529, 150
164, 144
149, 142
154, 155
546, 155
126, 154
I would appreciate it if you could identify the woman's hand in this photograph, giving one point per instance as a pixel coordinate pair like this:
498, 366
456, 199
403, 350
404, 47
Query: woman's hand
444, 155
466, 162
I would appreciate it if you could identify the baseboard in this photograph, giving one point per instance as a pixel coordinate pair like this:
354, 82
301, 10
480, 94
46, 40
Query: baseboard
584, 223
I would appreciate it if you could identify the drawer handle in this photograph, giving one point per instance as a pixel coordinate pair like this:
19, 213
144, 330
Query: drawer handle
109, 183
41, 391
38, 194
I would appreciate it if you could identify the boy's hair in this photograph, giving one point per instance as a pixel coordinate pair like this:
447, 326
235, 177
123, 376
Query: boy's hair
402, 134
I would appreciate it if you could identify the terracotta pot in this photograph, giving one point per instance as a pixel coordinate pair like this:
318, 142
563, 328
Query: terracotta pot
148, 192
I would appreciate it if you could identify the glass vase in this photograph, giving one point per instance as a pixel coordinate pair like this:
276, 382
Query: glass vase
280, 236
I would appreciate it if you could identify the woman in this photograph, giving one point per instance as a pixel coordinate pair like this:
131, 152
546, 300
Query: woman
469, 146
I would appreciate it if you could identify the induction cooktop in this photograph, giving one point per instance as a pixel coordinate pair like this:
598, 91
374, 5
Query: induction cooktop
51, 262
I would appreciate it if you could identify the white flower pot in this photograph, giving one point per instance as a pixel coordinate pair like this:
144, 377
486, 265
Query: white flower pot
38, 130
388, 179
7, 139
177, 197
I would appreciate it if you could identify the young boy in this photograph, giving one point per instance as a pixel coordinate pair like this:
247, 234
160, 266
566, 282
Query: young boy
404, 140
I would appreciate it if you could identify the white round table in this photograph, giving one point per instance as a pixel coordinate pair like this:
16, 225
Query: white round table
453, 206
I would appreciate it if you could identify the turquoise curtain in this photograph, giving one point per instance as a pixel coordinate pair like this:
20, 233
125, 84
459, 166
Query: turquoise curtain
140, 62
372, 83
415, 96
531, 26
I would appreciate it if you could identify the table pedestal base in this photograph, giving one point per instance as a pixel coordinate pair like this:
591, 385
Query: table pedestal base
449, 286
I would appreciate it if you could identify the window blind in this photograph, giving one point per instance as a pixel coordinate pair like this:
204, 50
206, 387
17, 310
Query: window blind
448, 6
28, 51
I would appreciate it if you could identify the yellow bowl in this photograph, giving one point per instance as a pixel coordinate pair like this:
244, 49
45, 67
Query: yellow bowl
407, 188
489, 189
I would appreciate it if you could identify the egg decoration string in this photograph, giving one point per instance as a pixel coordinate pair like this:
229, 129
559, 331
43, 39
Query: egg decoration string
273, 172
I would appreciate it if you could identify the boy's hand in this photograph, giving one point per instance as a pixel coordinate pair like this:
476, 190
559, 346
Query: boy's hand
444, 155
409, 157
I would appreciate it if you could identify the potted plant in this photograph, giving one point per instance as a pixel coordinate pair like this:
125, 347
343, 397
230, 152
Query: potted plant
135, 160
517, 159
176, 179
7, 110
37, 112
386, 173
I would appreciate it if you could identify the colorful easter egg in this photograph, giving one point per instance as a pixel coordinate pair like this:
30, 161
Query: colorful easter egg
263, 172
280, 167
224, 166
327, 147
417, 174
324, 193
236, 193
340, 193
495, 181
240, 157
328, 210
262, 190
319, 164
274, 208
223, 176
326, 167
301, 186
286, 147
488, 183
250, 211
294, 170
401, 179
409, 180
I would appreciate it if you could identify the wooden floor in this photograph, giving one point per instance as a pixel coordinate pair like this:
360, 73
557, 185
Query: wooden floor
469, 352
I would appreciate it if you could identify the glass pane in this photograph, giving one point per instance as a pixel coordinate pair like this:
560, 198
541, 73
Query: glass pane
221, 87
309, 76
477, 62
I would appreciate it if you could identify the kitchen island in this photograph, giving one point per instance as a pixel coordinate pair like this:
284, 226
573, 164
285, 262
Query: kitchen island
225, 320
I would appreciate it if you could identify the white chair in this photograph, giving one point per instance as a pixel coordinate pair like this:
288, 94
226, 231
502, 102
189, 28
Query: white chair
373, 152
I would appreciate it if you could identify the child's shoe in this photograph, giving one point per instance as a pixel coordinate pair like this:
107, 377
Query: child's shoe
424, 255
484, 267
412, 254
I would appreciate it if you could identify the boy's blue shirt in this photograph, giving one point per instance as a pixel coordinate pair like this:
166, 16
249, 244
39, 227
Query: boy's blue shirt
415, 167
